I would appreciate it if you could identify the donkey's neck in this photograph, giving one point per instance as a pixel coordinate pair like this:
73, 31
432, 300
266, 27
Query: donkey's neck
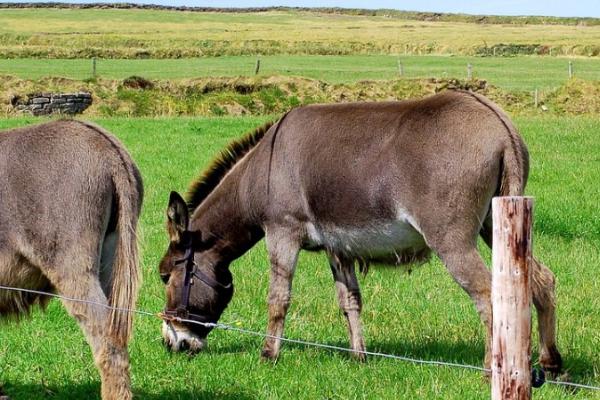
221, 208
222, 216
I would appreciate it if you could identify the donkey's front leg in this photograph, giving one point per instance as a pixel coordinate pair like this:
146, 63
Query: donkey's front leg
283, 250
350, 301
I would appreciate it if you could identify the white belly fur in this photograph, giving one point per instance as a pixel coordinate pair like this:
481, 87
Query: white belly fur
387, 242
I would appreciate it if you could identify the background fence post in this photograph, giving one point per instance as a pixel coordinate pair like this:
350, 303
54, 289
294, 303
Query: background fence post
511, 298
257, 67
469, 71
570, 69
93, 67
400, 67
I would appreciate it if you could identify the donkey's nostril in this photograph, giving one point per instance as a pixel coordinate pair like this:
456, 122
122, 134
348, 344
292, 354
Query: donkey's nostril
184, 345
165, 278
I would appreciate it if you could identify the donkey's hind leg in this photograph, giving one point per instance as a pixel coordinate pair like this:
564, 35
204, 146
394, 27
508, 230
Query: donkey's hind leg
350, 301
544, 300
466, 266
545, 303
110, 353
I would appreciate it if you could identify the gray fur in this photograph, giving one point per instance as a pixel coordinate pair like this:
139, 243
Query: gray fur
70, 197
369, 182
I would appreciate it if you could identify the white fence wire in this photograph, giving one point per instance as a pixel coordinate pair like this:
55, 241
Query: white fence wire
232, 328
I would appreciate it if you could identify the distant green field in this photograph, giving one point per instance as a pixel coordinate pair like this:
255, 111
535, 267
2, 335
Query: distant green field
516, 73
423, 315
111, 33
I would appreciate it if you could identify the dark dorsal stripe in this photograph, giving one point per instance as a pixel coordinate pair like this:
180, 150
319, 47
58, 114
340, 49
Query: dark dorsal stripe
212, 176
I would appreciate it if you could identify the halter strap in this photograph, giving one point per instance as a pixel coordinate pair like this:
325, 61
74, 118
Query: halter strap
191, 271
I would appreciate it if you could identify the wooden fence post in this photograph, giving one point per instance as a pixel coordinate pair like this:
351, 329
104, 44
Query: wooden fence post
511, 298
400, 67
570, 69
469, 71
257, 67
93, 67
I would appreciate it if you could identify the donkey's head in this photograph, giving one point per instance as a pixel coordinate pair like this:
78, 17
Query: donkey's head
198, 282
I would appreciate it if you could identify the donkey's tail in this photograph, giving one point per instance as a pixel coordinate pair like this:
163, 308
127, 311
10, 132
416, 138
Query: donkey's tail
126, 277
515, 159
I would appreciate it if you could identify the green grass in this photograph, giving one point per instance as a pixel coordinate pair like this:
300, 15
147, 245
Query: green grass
516, 73
423, 315
67, 33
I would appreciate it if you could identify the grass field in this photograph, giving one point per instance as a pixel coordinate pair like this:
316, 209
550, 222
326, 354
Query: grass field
514, 73
69, 33
423, 315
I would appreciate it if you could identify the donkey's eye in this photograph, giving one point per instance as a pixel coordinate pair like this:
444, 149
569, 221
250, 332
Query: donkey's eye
165, 278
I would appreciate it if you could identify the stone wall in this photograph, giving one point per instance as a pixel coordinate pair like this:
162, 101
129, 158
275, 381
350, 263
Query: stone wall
54, 103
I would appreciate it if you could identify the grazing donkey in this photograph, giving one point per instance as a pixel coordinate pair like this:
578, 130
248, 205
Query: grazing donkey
367, 182
70, 197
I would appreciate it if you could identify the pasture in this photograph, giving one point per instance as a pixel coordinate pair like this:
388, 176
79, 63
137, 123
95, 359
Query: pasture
135, 33
423, 314
514, 74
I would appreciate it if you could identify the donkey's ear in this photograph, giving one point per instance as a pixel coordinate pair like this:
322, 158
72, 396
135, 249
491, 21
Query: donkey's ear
177, 216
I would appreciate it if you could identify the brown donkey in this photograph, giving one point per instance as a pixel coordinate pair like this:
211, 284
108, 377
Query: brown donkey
367, 182
70, 197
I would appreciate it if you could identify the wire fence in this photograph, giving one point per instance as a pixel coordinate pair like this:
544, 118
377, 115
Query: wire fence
511, 73
306, 343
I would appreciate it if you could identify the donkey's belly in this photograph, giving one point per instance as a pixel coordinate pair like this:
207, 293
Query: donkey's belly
396, 242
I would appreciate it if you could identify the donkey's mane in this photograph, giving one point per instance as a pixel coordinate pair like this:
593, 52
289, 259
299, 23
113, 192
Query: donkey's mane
216, 171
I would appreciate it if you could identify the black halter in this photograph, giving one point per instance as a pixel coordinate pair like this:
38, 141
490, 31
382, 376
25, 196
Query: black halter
182, 311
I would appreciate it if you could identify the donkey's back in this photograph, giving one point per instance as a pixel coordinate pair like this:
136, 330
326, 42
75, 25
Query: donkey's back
70, 198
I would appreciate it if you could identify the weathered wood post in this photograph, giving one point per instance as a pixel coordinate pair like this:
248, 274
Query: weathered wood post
570, 69
511, 298
257, 67
400, 67
93, 67
469, 71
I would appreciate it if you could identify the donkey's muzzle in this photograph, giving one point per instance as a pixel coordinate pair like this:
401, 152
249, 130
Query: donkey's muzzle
180, 339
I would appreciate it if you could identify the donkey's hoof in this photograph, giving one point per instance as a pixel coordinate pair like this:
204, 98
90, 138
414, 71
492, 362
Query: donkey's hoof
268, 355
552, 363
360, 357
553, 371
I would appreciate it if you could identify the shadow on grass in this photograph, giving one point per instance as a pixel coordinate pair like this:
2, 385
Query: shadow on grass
243, 345
434, 350
460, 352
577, 369
92, 391
580, 369
550, 225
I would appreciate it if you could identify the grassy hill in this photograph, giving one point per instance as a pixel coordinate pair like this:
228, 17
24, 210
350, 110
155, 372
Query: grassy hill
358, 53
170, 33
